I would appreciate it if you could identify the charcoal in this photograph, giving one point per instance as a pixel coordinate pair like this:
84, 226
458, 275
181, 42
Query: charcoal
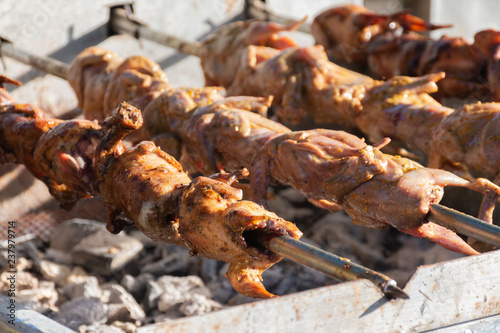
100, 329
53, 271
81, 311
288, 281
198, 304
175, 260
136, 286
24, 264
74, 230
87, 288
291, 195
40, 299
209, 269
176, 290
220, 287
105, 253
309, 278
153, 292
24, 280
221, 291
77, 275
124, 305
125, 327
160, 317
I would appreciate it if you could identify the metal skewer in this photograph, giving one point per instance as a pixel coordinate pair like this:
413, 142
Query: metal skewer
256, 9
339, 268
48, 65
122, 21
465, 224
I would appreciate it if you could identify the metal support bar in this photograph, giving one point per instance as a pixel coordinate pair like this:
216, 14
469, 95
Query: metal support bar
48, 65
257, 10
123, 22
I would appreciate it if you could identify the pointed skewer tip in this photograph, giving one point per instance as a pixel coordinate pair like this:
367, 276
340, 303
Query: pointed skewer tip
392, 291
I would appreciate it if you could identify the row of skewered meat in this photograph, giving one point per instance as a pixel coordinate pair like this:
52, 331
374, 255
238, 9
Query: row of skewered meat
142, 184
304, 82
390, 45
333, 169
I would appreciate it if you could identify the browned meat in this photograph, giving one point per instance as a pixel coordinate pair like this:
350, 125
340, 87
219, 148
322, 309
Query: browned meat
393, 55
89, 75
389, 46
375, 189
348, 30
207, 215
219, 220
136, 80
220, 52
488, 43
57, 152
470, 136
241, 131
102, 80
303, 81
171, 107
147, 186
5, 97
21, 126
461, 62
416, 55
65, 153
401, 109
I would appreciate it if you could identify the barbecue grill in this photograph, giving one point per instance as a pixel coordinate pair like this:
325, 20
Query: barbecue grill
447, 295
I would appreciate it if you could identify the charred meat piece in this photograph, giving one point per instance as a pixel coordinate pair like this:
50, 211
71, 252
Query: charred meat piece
347, 31
487, 42
389, 45
462, 63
